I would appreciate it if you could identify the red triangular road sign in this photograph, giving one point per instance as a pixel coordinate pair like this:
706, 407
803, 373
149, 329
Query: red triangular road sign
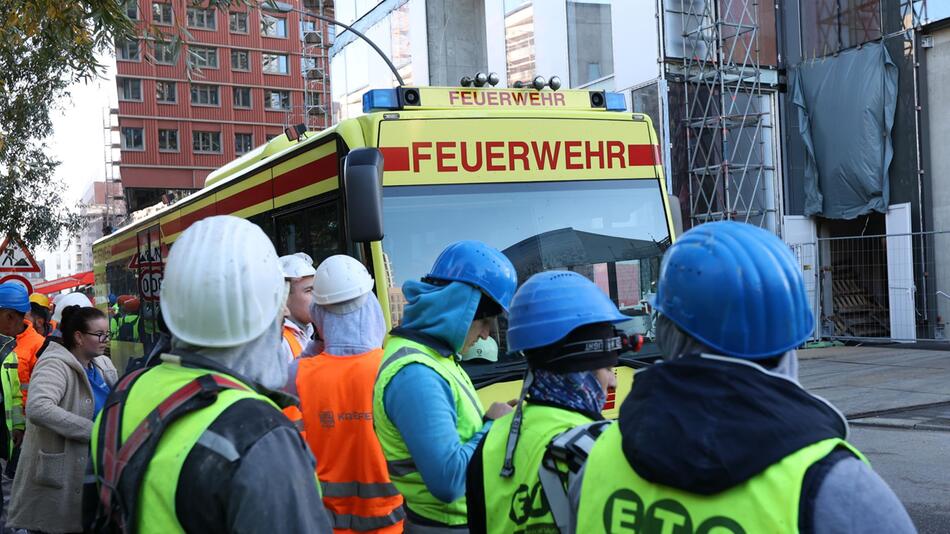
16, 258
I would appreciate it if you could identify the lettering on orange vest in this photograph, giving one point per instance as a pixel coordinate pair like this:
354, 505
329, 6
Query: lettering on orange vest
336, 397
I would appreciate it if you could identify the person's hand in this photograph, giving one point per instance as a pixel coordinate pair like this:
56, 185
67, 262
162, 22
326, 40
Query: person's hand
17, 437
498, 409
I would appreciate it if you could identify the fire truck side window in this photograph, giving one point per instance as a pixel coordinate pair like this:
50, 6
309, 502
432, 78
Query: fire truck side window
315, 230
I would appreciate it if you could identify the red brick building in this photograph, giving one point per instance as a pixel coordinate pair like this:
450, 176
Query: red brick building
235, 82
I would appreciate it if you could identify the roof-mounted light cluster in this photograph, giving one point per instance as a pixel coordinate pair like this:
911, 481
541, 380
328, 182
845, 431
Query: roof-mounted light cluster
480, 80
540, 83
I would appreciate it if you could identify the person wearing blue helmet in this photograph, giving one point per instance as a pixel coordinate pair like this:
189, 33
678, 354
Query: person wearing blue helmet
721, 437
14, 305
426, 412
564, 326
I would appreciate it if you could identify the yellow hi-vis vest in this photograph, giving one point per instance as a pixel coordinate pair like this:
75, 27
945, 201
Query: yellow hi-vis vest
518, 503
398, 353
615, 499
12, 395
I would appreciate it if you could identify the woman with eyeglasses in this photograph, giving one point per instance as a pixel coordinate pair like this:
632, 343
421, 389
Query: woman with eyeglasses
68, 387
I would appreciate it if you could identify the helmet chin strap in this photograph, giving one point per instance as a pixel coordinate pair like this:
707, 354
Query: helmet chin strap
508, 468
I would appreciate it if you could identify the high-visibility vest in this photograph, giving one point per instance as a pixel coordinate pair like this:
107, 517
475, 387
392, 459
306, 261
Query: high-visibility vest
615, 499
518, 503
156, 500
400, 352
129, 328
293, 412
12, 396
28, 345
336, 398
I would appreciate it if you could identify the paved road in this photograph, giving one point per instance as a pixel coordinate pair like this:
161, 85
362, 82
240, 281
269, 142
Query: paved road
891, 394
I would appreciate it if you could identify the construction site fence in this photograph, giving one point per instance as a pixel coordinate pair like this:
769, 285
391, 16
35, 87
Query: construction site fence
879, 288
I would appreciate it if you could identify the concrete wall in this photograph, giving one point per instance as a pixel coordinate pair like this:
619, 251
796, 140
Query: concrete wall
938, 109
456, 39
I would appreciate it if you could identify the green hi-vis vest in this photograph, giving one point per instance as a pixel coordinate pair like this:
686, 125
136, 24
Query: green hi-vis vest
12, 397
398, 353
518, 504
129, 328
615, 499
156, 499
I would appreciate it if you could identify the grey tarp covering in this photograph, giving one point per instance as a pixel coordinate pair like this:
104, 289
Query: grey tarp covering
846, 113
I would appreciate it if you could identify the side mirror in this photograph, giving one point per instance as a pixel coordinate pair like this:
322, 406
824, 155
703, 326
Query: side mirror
676, 212
363, 189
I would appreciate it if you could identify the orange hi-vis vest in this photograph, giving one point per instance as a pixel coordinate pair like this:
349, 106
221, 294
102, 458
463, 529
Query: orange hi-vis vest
336, 397
292, 412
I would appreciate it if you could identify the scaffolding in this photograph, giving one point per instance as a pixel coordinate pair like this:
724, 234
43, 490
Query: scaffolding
315, 64
114, 214
732, 174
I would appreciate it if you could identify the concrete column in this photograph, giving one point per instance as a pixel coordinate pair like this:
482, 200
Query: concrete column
456, 37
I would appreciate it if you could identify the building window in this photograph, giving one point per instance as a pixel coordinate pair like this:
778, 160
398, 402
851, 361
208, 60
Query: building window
128, 49
242, 97
165, 53
205, 95
273, 26
307, 26
133, 138
168, 140
166, 92
589, 41
307, 63
276, 100
132, 9
130, 89
202, 18
519, 41
312, 99
203, 57
207, 142
237, 22
162, 13
243, 143
274, 63
240, 60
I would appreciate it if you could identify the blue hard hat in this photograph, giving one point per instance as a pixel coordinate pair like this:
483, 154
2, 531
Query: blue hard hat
480, 265
112, 298
13, 296
552, 304
736, 288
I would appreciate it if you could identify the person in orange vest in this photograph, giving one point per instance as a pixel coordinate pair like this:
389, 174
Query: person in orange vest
29, 343
336, 397
298, 271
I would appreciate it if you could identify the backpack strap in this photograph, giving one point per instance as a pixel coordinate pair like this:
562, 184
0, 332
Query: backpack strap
570, 448
121, 465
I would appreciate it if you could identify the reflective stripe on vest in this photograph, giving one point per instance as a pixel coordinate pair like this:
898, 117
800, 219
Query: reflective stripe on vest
615, 499
336, 395
518, 503
399, 353
156, 506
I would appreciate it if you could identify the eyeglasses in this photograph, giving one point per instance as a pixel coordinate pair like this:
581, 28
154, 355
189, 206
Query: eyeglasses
102, 337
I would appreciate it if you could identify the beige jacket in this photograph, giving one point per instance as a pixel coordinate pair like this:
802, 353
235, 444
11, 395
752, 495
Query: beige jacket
47, 488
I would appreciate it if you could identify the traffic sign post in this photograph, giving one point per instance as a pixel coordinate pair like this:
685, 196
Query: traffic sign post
16, 258
150, 284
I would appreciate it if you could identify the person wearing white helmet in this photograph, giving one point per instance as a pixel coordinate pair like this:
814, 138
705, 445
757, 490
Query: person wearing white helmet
335, 388
198, 442
298, 330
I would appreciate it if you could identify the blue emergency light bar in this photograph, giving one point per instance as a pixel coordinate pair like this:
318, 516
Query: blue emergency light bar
377, 99
615, 102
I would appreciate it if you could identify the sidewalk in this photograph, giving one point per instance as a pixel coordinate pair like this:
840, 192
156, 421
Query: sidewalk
886, 386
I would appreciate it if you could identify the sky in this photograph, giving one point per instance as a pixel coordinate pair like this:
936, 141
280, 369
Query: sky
78, 141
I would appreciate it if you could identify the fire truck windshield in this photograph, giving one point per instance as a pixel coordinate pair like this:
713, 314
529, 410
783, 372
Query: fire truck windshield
611, 231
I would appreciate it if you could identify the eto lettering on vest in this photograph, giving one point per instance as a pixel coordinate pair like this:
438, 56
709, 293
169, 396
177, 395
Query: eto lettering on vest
624, 513
527, 503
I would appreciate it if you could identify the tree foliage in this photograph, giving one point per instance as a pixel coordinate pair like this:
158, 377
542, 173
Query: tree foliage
45, 46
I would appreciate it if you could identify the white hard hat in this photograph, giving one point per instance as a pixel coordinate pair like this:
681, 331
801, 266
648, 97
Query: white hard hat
297, 265
69, 299
223, 286
340, 278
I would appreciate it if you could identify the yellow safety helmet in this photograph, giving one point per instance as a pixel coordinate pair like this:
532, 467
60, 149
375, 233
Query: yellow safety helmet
40, 299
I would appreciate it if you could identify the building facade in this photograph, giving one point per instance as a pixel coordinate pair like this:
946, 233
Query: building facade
202, 86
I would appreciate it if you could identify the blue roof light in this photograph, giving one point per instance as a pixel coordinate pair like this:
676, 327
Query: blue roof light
615, 102
379, 99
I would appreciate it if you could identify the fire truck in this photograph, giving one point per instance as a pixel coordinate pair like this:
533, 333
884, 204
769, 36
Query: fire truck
555, 179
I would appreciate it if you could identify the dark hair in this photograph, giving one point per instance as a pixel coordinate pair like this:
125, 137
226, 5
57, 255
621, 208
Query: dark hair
76, 319
39, 311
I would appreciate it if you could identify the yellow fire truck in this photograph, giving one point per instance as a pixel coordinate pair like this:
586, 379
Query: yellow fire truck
555, 179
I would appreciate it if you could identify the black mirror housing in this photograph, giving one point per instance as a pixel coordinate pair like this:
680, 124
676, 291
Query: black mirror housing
363, 190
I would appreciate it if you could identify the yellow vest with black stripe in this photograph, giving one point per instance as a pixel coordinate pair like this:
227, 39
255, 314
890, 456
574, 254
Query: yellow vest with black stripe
517, 503
12, 397
398, 353
615, 499
156, 504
